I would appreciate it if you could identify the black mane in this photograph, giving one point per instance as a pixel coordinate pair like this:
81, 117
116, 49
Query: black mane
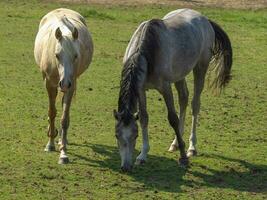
128, 88
148, 46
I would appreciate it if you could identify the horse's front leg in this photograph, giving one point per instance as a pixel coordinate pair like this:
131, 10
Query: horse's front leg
52, 132
142, 157
65, 120
174, 121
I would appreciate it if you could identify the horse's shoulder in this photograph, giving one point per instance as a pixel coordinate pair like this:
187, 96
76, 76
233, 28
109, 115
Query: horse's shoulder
60, 14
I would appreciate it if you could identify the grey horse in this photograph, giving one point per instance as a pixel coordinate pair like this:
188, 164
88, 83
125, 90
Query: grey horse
162, 52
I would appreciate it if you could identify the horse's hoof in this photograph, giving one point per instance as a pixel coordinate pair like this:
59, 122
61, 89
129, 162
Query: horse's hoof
140, 162
50, 148
191, 153
184, 162
64, 160
173, 148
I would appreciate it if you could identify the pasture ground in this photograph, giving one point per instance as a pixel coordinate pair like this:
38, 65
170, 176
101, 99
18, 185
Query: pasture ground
241, 4
232, 148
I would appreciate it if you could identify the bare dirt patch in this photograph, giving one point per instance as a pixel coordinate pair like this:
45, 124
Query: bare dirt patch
239, 4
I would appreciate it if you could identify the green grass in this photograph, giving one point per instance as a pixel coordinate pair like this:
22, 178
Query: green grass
232, 162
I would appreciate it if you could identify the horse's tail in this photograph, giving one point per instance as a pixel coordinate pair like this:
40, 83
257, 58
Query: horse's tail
221, 59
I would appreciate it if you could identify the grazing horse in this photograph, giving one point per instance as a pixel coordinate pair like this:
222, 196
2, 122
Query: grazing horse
162, 52
63, 50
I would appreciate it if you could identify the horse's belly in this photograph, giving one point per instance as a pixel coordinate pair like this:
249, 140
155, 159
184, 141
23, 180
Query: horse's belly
175, 72
179, 72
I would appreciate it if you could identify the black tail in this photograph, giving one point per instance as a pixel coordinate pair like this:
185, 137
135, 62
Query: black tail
222, 58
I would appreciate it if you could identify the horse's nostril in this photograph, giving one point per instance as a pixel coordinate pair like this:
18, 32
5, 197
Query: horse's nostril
123, 169
60, 84
126, 169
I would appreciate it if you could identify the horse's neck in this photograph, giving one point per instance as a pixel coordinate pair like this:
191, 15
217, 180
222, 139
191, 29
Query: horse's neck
133, 75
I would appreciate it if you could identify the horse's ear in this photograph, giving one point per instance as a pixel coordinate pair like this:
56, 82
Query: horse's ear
75, 33
136, 116
116, 114
58, 34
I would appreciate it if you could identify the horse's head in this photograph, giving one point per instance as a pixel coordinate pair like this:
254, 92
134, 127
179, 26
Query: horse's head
126, 132
67, 56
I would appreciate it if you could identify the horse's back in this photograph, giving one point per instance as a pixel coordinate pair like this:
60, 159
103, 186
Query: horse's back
185, 13
189, 21
185, 38
191, 35
63, 16
60, 13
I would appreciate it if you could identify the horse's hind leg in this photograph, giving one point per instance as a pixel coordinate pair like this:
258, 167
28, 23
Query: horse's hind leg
174, 121
65, 119
182, 89
199, 79
52, 132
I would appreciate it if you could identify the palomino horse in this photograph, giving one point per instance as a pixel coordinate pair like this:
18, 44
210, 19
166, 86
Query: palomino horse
63, 50
162, 52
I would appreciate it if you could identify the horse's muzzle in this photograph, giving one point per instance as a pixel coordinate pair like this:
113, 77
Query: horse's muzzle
126, 168
63, 86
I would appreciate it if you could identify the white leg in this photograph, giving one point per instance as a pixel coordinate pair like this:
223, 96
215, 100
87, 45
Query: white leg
52, 132
183, 101
142, 157
50, 146
60, 140
63, 155
199, 78
66, 102
174, 144
63, 158
192, 151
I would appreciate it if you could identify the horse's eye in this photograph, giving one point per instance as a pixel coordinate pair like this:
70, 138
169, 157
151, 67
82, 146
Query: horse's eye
75, 57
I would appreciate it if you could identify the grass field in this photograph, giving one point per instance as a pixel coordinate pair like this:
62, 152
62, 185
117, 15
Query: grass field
232, 131
240, 4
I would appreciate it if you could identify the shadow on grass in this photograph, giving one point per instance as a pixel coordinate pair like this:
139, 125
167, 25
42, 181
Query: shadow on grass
159, 174
237, 174
164, 174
